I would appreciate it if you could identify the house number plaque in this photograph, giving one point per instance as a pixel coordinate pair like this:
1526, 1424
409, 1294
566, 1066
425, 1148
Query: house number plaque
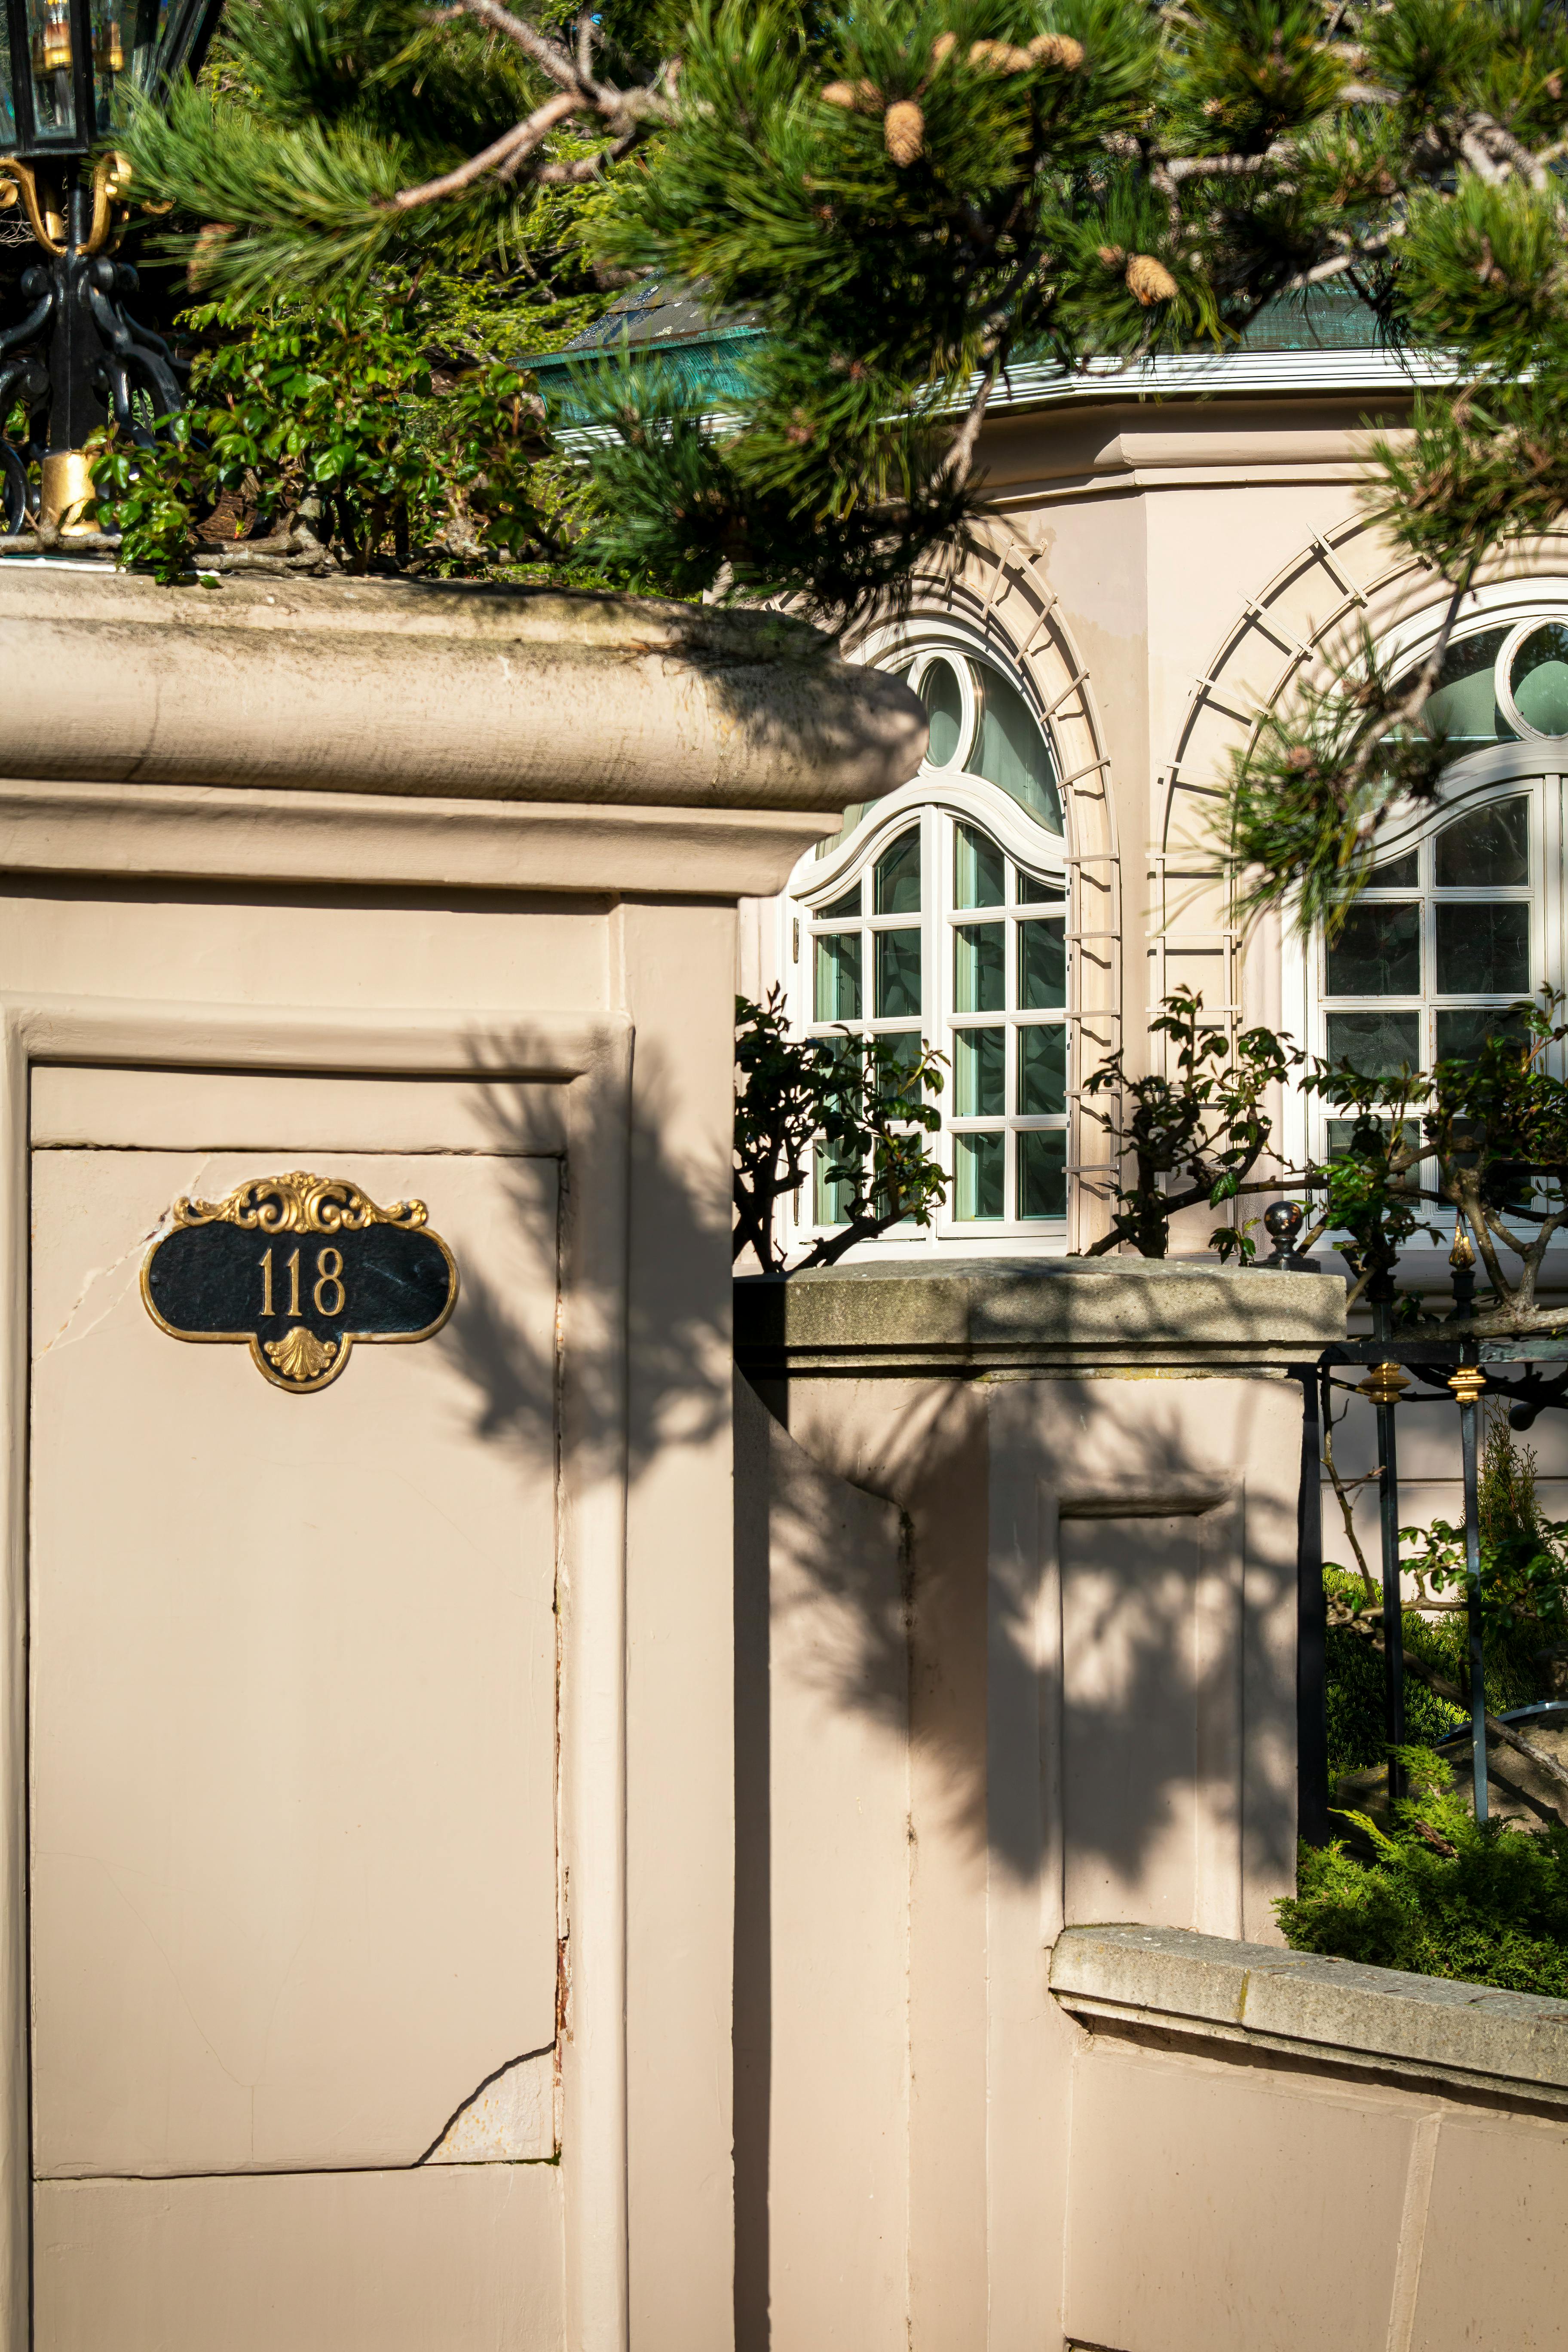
297, 1268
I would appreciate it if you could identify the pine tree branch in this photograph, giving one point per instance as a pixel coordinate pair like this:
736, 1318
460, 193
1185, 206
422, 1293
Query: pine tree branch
959, 458
504, 155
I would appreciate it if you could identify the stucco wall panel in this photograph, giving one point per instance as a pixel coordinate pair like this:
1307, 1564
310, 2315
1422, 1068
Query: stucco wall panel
1210, 2212
466, 2258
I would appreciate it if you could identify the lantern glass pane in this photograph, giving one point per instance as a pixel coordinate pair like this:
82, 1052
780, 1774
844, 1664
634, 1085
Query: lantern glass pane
7, 89
150, 20
111, 57
53, 61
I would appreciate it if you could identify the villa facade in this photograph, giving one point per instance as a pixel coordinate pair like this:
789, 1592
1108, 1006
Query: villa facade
1164, 559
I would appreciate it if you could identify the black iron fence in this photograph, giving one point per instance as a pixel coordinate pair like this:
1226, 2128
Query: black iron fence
1451, 1369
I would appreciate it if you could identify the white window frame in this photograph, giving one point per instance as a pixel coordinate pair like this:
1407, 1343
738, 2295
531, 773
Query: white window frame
1538, 769
939, 800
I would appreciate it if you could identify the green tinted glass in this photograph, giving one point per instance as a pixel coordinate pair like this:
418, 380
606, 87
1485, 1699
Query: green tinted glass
833, 1196
1043, 1173
895, 1055
1537, 678
838, 976
898, 975
847, 905
1043, 1069
898, 882
980, 1175
1462, 711
1042, 966
1378, 1044
1010, 750
1483, 948
1378, 951
944, 699
1465, 1028
1033, 892
980, 870
980, 1073
1487, 848
979, 977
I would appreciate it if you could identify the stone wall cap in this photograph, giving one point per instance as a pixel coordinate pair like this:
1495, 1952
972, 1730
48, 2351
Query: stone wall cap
441, 689
1016, 1314
1342, 2010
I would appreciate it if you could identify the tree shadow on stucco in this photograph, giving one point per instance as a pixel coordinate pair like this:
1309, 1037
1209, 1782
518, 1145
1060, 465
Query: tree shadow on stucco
954, 1654
918, 1619
667, 1339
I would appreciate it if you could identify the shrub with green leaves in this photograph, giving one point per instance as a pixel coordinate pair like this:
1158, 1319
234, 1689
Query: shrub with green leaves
860, 1105
1441, 1895
1524, 1612
314, 433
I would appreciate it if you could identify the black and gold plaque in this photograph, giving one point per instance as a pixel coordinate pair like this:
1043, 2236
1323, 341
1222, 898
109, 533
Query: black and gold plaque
298, 1268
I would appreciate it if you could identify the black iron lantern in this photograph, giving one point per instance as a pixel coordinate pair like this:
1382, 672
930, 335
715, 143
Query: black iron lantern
77, 357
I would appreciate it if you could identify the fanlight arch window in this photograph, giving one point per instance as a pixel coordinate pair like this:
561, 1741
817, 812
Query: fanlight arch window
941, 913
1503, 683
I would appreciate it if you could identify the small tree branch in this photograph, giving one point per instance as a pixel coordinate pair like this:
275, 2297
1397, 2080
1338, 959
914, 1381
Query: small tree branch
503, 155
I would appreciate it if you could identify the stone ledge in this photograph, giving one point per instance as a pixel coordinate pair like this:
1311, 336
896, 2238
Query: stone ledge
1337, 2012
444, 690
1069, 1316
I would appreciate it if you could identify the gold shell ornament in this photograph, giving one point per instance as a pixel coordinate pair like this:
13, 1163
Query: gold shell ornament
298, 1267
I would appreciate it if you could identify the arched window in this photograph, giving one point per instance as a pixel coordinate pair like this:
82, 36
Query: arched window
1463, 914
941, 912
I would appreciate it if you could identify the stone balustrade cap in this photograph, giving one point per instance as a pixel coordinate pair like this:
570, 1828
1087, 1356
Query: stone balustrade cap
970, 1317
1338, 2011
440, 691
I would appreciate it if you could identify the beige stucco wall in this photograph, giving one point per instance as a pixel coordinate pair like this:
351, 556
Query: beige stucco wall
1031, 1663
1015, 1657
368, 1963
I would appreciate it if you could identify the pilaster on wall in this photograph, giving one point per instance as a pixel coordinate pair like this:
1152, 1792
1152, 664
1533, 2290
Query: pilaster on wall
998, 585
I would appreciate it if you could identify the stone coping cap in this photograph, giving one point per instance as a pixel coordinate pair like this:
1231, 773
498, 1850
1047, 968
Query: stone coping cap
441, 689
979, 1313
1300, 2001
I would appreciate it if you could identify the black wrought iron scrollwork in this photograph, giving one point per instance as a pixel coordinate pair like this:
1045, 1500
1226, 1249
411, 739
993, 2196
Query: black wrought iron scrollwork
78, 359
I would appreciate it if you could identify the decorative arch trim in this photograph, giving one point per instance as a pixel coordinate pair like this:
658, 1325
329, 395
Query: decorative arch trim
996, 585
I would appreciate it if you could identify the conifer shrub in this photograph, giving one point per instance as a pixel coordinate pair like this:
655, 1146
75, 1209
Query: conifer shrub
1441, 1895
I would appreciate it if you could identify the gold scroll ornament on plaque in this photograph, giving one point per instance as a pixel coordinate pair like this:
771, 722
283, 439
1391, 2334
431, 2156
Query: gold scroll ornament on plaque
297, 1268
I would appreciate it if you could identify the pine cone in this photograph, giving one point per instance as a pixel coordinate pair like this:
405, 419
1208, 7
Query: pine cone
1149, 280
998, 57
863, 95
904, 130
1056, 49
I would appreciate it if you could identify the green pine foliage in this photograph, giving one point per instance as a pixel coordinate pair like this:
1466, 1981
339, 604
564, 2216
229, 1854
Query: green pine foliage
1442, 1896
914, 196
1524, 1602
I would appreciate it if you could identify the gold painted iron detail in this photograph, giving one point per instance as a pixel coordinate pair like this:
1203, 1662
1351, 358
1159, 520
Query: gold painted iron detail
1467, 1382
1385, 1384
298, 1267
